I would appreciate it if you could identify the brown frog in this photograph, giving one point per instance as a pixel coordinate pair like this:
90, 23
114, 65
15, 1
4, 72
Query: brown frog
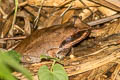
53, 41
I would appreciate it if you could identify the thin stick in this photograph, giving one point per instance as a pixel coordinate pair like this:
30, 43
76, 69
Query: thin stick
37, 18
86, 6
67, 9
104, 20
13, 38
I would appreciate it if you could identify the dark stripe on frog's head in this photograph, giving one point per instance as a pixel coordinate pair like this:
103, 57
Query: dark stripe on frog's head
72, 38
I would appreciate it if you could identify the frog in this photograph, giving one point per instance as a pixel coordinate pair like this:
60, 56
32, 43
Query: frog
54, 41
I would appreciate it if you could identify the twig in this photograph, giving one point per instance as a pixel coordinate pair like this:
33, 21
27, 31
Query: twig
72, 8
65, 3
13, 38
3, 13
37, 18
104, 20
67, 9
86, 6
22, 4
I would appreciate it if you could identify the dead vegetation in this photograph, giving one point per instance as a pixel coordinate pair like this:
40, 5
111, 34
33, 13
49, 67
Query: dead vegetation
95, 58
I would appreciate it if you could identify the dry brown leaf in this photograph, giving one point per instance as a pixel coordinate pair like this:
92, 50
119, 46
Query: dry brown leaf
31, 10
56, 18
67, 16
106, 11
115, 2
86, 13
59, 3
6, 27
108, 4
47, 2
77, 3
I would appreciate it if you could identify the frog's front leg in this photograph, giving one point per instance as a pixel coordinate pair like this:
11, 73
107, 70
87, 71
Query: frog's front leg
59, 52
63, 52
52, 52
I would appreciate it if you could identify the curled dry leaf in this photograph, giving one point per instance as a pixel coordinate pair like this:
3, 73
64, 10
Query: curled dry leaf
27, 28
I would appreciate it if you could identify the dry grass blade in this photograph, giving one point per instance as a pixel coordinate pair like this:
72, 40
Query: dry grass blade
115, 73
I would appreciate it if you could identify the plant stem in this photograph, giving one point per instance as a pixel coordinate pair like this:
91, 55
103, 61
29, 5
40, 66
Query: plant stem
14, 18
52, 65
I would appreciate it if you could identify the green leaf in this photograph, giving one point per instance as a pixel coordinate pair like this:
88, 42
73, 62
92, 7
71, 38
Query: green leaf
44, 57
49, 58
9, 61
5, 73
14, 54
58, 73
44, 73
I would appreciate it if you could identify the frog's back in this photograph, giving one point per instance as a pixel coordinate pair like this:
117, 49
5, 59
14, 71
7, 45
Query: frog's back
43, 40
